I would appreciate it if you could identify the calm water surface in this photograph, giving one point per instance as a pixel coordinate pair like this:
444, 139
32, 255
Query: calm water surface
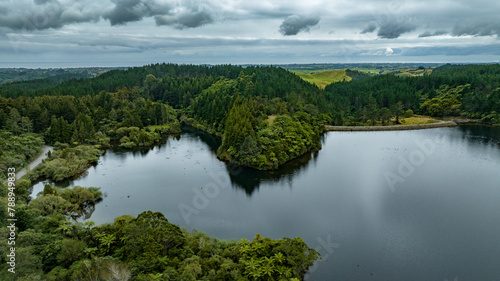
401, 205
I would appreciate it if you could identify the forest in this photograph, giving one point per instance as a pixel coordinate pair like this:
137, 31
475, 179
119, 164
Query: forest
138, 106
470, 91
264, 116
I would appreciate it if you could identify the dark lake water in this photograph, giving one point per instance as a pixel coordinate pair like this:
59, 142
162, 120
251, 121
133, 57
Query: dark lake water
398, 205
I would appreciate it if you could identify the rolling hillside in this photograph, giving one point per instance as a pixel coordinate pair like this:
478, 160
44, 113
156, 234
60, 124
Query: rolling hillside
324, 78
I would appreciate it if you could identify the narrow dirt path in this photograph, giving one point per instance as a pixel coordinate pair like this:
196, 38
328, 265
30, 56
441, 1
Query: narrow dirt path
33, 164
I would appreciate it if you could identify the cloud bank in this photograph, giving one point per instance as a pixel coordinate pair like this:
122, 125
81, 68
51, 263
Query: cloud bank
45, 14
394, 28
294, 24
165, 30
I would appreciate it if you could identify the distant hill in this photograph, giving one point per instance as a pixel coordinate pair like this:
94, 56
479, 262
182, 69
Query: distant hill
410, 72
325, 78
13, 75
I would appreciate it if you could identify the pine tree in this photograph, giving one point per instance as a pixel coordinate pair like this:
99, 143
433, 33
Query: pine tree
83, 129
12, 123
54, 132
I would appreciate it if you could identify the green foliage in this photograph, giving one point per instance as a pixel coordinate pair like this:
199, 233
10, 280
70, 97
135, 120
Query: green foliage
28, 266
266, 259
71, 251
269, 143
491, 118
83, 129
470, 90
266, 116
59, 131
447, 102
75, 202
146, 247
398, 109
17, 150
67, 162
133, 137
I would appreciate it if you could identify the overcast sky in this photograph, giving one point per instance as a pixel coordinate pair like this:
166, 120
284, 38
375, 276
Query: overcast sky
50, 33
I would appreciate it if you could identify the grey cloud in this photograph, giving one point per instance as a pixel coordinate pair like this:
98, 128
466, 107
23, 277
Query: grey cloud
46, 14
295, 24
43, 14
429, 34
369, 28
134, 10
393, 28
477, 29
188, 17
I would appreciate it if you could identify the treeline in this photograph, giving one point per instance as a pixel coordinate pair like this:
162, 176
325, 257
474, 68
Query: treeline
16, 151
472, 91
51, 245
89, 119
175, 83
79, 127
136, 106
13, 75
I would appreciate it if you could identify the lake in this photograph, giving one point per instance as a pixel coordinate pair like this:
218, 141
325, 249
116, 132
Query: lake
395, 205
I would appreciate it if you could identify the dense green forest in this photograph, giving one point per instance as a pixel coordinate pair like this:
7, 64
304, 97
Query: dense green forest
82, 117
265, 116
136, 107
471, 91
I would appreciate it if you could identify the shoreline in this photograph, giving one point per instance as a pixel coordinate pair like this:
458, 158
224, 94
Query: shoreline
441, 124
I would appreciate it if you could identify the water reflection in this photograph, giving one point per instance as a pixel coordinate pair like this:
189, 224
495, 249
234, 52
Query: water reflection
486, 135
212, 141
249, 179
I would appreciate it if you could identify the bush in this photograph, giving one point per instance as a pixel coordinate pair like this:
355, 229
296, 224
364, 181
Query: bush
408, 113
67, 162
